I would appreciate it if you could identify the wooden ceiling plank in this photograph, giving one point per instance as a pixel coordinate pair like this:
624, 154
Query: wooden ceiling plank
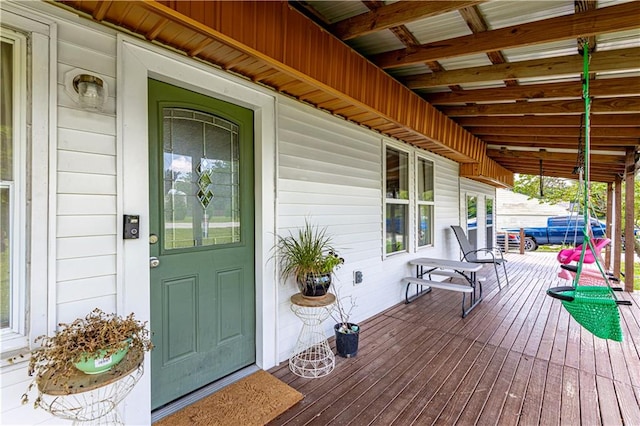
569, 132
200, 47
566, 168
554, 142
551, 156
600, 162
625, 86
393, 15
602, 105
263, 75
600, 21
565, 173
610, 60
101, 10
599, 120
157, 28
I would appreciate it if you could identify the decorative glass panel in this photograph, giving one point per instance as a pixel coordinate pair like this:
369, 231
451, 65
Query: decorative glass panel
397, 174
425, 180
201, 179
396, 228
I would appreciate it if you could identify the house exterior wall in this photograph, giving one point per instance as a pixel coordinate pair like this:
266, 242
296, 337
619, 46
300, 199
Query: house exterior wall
309, 164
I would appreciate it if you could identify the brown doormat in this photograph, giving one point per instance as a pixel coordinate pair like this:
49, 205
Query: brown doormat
255, 400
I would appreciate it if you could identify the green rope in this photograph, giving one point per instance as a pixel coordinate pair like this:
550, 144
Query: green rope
587, 112
593, 307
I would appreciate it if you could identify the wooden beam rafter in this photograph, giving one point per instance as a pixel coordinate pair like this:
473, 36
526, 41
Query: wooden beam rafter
563, 66
625, 86
600, 21
393, 15
555, 121
568, 132
602, 105
497, 154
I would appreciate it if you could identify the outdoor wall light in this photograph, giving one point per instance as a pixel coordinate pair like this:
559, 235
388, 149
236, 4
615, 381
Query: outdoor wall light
91, 91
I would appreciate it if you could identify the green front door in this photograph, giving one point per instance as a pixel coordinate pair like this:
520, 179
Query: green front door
202, 240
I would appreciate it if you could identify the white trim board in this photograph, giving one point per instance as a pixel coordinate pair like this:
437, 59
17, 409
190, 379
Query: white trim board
137, 61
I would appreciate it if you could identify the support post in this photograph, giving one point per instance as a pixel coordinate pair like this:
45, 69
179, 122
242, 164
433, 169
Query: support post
609, 228
617, 233
629, 216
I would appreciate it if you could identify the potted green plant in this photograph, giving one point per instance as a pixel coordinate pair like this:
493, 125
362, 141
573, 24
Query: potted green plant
93, 344
347, 333
309, 257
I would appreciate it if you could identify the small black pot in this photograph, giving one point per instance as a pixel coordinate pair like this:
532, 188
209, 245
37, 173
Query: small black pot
315, 285
347, 343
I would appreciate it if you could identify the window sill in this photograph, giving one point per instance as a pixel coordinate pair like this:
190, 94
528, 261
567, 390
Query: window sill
16, 358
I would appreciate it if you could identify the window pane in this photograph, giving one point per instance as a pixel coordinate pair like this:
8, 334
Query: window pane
397, 174
6, 112
201, 179
425, 180
489, 230
6, 176
5, 258
425, 219
472, 220
396, 228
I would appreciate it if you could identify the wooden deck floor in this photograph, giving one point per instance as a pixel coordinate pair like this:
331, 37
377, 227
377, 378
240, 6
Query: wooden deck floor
518, 358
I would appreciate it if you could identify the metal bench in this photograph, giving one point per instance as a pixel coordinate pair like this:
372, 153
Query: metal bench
426, 267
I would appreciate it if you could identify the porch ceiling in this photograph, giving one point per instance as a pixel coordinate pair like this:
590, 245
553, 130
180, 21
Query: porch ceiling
493, 85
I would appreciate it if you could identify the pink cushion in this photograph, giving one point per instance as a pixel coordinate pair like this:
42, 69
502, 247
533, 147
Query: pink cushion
566, 256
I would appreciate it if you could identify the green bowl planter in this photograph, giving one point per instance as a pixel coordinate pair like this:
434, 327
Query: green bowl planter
99, 363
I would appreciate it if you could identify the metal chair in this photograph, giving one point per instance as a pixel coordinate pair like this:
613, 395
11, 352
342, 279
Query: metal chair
470, 254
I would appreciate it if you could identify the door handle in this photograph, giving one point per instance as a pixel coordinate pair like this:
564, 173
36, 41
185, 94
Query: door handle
154, 262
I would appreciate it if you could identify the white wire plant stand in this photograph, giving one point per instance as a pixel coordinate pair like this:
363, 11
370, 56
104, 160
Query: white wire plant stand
312, 356
91, 399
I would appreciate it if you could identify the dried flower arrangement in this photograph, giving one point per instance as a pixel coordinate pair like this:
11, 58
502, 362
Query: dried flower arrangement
81, 339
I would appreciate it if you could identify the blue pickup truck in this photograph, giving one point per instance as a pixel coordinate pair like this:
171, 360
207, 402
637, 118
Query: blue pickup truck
560, 230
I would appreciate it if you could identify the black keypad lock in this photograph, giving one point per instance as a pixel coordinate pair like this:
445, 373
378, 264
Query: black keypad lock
131, 227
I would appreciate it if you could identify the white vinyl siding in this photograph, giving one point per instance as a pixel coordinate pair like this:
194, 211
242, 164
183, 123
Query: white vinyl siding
86, 238
447, 211
330, 171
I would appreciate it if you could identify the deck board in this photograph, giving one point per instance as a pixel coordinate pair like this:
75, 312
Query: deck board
518, 358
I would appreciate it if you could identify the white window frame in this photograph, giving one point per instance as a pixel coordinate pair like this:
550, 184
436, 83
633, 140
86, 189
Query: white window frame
35, 196
408, 202
492, 228
14, 335
432, 203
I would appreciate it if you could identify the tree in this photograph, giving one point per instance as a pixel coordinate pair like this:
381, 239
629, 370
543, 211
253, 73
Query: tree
558, 190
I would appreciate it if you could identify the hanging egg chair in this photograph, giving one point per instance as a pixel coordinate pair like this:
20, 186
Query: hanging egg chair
594, 307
